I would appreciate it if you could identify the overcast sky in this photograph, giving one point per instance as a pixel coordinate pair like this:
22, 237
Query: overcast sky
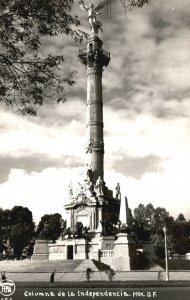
146, 117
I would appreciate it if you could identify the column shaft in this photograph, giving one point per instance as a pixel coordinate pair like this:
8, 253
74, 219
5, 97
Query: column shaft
95, 121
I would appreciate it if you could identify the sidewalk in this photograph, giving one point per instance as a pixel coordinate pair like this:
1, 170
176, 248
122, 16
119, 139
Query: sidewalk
155, 276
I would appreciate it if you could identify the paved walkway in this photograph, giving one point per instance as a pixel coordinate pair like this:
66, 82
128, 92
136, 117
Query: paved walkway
96, 276
40, 271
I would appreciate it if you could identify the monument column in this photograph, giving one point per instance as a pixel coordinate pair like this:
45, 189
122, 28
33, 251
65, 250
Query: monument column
95, 58
95, 148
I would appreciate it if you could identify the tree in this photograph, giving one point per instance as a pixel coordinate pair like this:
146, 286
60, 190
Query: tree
20, 236
149, 222
50, 227
181, 235
131, 3
21, 229
142, 217
126, 4
4, 228
26, 77
20, 215
4, 220
4, 217
181, 219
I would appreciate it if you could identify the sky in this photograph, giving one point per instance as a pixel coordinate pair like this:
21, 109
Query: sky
146, 117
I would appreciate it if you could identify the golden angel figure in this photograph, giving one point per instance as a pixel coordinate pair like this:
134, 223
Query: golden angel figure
93, 11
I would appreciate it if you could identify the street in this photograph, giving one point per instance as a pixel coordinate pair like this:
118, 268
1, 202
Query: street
159, 293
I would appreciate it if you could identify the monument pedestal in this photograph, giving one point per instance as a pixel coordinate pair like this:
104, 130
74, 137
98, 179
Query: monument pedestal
80, 249
106, 245
107, 242
57, 251
124, 253
68, 249
41, 250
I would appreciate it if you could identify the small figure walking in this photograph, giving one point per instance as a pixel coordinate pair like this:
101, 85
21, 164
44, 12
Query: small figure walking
3, 277
52, 277
88, 274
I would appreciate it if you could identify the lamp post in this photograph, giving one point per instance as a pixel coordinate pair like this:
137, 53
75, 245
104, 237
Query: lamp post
166, 252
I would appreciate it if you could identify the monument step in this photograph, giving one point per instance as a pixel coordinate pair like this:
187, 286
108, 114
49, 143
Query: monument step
101, 266
48, 266
39, 266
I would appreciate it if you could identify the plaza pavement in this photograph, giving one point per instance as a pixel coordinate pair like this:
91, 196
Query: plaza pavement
74, 271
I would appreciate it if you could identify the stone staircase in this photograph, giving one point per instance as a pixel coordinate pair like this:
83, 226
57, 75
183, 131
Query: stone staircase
93, 264
101, 266
62, 266
39, 266
66, 270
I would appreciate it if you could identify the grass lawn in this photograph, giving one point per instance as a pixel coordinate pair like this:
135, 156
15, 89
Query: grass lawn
174, 265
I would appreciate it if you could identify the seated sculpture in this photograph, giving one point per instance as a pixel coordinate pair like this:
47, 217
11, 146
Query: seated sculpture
78, 231
107, 228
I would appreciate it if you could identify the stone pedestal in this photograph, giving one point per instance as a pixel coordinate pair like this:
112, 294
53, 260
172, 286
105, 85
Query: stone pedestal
41, 250
124, 253
80, 249
57, 251
107, 242
68, 249
93, 245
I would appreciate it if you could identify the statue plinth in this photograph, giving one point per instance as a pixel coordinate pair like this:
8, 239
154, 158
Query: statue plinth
124, 253
41, 250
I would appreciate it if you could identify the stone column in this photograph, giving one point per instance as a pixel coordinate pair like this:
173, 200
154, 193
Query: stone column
94, 57
94, 110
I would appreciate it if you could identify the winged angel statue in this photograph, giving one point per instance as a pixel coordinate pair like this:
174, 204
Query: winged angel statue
92, 12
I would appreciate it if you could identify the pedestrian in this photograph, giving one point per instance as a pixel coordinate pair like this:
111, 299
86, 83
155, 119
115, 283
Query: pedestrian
3, 277
52, 277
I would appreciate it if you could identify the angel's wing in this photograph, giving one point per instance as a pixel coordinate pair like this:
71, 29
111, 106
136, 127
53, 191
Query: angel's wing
100, 6
83, 6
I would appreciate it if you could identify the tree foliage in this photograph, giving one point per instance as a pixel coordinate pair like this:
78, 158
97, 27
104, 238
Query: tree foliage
26, 77
20, 215
4, 228
181, 236
149, 223
126, 4
16, 229
133, 3
19, 237
50, 227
